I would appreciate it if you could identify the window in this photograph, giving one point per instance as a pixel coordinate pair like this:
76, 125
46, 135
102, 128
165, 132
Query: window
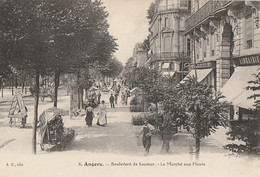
196, 5
171, 66
181, 43
166, 22
183, 3
167, 44
197, 50
189, 52
248, 34
212, 44
205, 47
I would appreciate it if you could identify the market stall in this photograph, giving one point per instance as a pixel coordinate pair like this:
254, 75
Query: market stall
52, 133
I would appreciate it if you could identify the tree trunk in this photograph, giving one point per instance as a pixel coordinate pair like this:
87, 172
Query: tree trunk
197, 147
166, 140
2, 88
36, 103
198, 133
56, 86
16, 81
81, 97
86, 94
78, 77
12, 83
2, 91
23, 84
71, 104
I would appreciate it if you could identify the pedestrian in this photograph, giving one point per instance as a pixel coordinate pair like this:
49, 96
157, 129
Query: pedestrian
102, 114
123, 98
99, 97
94, 96
116, 96
127, 94
89, 115
111, 100
147, 131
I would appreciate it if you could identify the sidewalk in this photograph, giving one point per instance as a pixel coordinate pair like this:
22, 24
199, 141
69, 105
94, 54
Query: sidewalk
114, 143
7, 95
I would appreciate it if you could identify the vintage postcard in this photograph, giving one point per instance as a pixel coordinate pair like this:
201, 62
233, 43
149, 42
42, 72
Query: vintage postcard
129, 88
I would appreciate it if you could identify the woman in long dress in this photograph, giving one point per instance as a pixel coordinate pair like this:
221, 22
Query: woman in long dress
102, 115
89, 115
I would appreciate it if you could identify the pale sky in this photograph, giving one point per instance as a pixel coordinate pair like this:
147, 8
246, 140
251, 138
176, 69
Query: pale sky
128, 24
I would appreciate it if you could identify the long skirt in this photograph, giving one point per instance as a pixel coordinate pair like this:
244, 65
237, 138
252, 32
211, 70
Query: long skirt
89, 119
102, 119
147, 141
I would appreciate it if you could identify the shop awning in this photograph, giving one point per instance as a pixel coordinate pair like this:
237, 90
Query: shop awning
165, 65
235, 89
168, 73
201, 74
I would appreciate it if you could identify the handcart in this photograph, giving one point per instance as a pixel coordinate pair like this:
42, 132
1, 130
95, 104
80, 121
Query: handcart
51, 131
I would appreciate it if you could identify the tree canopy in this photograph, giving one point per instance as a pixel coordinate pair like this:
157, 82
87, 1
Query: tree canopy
152, 10
53, 36
204, 111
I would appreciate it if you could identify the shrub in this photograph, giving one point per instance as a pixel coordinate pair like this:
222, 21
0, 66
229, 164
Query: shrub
153, 119
136, 108
134, 101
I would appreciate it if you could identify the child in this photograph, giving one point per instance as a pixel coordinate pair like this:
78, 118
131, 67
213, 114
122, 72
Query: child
147, 131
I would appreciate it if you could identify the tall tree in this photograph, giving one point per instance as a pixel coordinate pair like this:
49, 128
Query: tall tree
111, 68
25, 34
151, 82
52, 36
127, 72
173, 113
151, 12
204, 112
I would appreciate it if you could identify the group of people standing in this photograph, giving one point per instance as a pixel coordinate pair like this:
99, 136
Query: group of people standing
113, 99
124, 96
102, 114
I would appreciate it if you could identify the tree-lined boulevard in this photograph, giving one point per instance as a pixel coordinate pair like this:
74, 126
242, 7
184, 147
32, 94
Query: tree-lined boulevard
69, 106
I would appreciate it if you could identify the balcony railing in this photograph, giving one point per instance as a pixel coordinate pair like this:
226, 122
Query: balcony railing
173, 7
169, 55
204, 12
182, 5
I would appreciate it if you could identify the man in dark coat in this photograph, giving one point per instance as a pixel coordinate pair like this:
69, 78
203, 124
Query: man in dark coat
99, 97
111, 100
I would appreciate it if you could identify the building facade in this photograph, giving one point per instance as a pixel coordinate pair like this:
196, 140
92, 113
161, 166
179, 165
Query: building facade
139, 55
168, 52
224, 42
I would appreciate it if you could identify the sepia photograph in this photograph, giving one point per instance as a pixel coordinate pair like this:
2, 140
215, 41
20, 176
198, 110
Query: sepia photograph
129, 88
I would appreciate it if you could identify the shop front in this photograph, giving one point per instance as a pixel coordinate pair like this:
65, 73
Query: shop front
206, 73
236, 89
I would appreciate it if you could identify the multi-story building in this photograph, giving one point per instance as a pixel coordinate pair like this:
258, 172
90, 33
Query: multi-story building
224, 38
139, 55
167, 39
